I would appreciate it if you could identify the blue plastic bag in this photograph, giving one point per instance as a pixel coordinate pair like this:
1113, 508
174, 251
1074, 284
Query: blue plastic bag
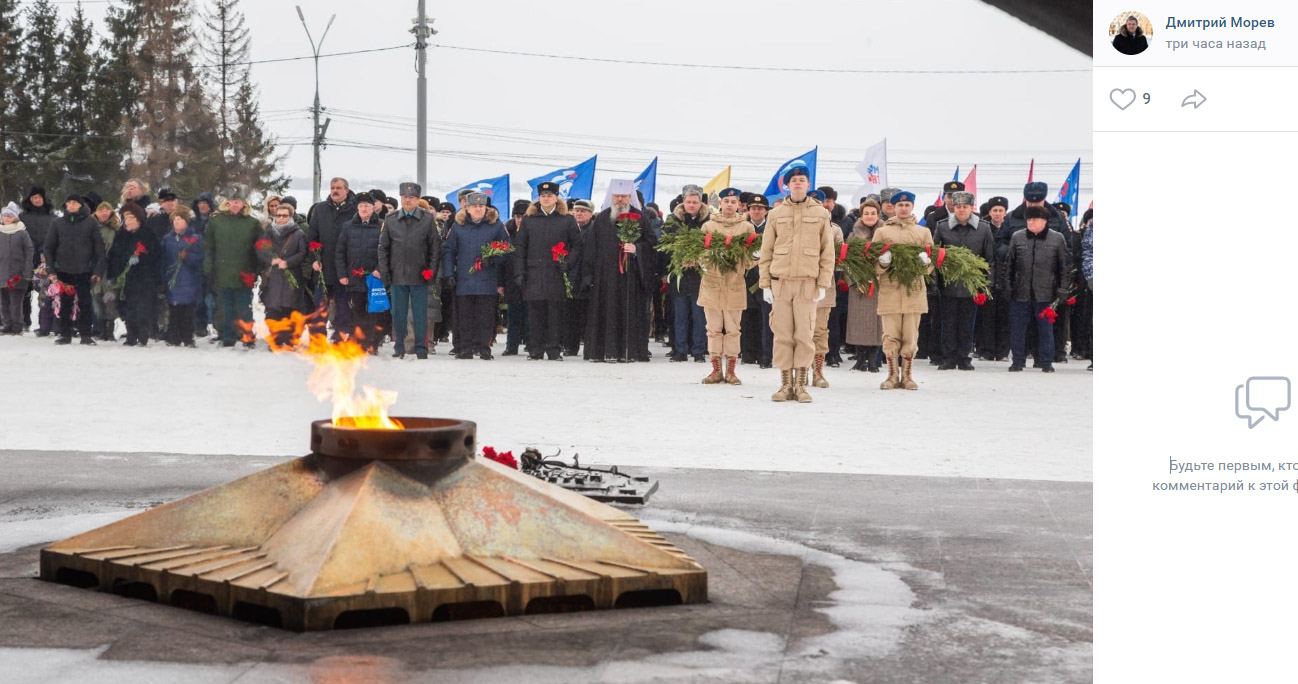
378, 300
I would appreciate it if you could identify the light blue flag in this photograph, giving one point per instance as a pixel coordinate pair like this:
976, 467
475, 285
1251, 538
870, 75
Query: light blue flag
575, 182
1070, 190
647, 181
495, 188
776, 189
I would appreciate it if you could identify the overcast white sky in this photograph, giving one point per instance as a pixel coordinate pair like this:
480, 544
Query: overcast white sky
491, 114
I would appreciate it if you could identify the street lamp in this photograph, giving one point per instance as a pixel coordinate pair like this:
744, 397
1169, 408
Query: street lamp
318, 131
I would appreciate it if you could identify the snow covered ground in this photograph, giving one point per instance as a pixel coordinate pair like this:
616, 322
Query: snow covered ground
988, 423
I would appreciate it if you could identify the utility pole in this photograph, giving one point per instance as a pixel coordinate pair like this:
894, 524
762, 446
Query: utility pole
422, 30
317, 131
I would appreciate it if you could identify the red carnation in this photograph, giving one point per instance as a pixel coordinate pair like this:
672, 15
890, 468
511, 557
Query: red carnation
842, 285
249, 279
358, 272
427, 273
941, 256
866, 252
191, 239
749, 241
559, 251
1049, 314
885, 249
262, 244
707, 241
842, 253
477, 264
980, 299
663, 287
505, 458
728, 240
140, 249
1072, 301
928, 249
314, 246
871, 292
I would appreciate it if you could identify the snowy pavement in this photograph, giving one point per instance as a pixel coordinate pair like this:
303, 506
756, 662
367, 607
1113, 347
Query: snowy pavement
983, 424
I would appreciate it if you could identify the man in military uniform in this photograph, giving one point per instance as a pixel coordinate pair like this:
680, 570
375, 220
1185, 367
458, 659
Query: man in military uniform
755, 327
900, 310
723, 295
796, 272
930, 325
961, 229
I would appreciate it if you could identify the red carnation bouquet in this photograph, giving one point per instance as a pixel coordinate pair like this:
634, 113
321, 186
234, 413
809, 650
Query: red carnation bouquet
559, 253
120, 282
427, 274
1051, 313
267, 247
249, 279
505, 458
13, 281
628, 231
491, 249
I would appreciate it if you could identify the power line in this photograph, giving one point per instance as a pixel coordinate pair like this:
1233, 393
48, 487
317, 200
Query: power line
295, 59
737, 67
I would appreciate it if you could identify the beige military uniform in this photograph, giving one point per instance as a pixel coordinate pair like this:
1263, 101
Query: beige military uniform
797, 260
724, 295
900, 310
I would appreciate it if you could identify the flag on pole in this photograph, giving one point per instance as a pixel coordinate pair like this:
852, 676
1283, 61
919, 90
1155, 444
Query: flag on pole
714, 187
776, 189
1031, 165
647, 181
575, 182
873, 169
495, 188
1069, 190
971, 182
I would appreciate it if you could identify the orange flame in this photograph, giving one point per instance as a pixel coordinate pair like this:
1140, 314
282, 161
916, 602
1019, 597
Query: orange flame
334, 377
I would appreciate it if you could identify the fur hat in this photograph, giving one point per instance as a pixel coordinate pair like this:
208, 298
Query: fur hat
133, 209
1036, 213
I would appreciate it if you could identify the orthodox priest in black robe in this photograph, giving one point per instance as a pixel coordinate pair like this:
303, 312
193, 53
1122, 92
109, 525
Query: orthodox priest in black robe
620, 277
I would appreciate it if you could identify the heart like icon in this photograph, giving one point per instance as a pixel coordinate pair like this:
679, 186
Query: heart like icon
1122, 98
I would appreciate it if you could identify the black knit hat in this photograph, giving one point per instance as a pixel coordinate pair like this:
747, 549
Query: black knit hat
289, 200
37, 190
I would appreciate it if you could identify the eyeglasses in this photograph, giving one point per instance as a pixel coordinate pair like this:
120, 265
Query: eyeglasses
283, 216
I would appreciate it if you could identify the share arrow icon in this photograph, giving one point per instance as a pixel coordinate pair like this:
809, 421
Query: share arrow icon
1196, 98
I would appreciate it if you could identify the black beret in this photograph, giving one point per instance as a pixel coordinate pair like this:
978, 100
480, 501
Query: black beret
549, 187
998, 201
1036, 213
520, 207
830, 193
952, 186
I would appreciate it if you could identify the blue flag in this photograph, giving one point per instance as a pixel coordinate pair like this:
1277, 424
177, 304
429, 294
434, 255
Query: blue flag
1069, 191
647, 181
495, 188
576, 182
941, 197
776, 187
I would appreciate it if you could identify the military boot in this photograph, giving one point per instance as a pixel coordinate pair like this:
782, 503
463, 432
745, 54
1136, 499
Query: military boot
891, 382
785, 392
715, 376
800, 387
730, 372
818, 378
906, 381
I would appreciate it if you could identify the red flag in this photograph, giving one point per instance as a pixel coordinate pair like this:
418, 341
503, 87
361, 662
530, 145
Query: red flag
1031, 165
971, 182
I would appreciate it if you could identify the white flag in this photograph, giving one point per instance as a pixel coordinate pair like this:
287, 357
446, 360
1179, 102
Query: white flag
873, 169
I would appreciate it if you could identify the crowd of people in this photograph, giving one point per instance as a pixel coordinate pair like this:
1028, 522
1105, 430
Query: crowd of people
555, 278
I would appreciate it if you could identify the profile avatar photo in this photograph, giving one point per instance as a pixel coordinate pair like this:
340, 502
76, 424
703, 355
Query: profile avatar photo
1130, 32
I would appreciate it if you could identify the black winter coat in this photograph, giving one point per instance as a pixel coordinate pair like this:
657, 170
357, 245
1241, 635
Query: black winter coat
358, 248
409, 245
142, 278
292, 248
688, 284
976, 236
535, 270
1039, 267
1131, 45
159, 225
38, 221
74, 246
325, 223
513, 292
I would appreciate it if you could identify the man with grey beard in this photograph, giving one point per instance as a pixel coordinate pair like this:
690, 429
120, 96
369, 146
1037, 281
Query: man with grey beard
618, 277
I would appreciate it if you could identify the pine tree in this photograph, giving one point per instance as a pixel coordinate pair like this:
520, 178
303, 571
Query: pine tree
172, 113
10, 40
36, 99
113, 106
252, 160
225, 45
75, 76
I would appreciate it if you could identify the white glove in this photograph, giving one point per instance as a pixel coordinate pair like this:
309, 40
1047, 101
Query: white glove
767, 297
886, 258
820, 295
924, 259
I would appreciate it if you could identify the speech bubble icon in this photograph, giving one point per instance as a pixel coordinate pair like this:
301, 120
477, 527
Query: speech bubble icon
1240, 409
1268, 395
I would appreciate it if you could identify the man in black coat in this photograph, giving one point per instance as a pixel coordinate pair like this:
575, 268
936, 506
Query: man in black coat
325, 221
994, 316
930, 324
618, 277
1039, 269
546, 231
74, 253
356, 257
578, 308
1034, 195
410, 254
515, 307
961, 229
755, 338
